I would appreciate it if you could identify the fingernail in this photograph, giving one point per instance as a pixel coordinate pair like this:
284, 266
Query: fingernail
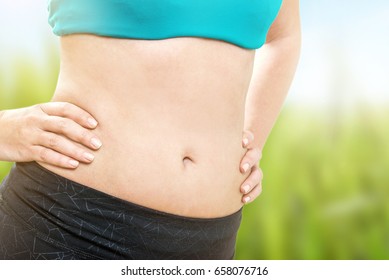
73, 163
89, 156
92, 122
245, 141
246, 188
245, 167
96, 143
246, 199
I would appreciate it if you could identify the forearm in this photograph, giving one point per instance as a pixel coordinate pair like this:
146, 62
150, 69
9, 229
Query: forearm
274, 68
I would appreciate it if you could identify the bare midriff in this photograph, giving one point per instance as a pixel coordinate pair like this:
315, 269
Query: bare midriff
170, 114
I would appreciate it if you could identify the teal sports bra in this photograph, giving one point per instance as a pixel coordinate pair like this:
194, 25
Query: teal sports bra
244, 23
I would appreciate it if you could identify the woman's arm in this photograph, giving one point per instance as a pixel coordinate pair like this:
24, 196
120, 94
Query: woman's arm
274, 68
57, 133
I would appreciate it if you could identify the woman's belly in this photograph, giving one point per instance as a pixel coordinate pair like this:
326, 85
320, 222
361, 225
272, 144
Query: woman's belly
170, 116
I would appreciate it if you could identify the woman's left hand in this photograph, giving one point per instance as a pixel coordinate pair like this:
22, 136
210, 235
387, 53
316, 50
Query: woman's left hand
252, 186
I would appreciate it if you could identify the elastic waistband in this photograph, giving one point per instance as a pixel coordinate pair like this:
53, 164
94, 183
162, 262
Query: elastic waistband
47, 202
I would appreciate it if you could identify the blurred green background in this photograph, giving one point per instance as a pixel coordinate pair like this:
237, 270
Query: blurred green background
326, 162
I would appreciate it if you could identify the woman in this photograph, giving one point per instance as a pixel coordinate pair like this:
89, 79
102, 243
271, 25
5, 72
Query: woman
139, 155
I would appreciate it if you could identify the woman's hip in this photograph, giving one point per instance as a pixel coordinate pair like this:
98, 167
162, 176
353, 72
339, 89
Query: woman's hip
75, 221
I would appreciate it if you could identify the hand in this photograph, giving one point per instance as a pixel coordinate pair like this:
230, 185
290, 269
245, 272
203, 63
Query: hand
57, 133
252, 186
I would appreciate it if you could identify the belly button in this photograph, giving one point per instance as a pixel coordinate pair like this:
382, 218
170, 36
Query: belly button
187, 161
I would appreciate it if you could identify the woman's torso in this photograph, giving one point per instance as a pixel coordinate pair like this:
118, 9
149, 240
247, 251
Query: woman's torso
170, 116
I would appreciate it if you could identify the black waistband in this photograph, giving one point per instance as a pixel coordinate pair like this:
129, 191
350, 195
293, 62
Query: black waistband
108, 227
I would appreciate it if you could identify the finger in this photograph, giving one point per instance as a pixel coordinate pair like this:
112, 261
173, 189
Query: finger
65, 147
247, 138
69, 110
71, 130
45, 155
250, 197
250, 159
252, 180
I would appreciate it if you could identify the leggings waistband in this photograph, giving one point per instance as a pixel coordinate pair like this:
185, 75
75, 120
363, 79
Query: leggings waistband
107, 227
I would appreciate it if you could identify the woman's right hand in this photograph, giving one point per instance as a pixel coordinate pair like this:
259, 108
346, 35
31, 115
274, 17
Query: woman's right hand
57, 133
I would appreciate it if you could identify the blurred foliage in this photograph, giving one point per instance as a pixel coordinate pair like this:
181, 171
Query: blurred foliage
325, 185
325, 189
25, 82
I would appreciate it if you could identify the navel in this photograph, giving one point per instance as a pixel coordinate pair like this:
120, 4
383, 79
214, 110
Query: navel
187, 161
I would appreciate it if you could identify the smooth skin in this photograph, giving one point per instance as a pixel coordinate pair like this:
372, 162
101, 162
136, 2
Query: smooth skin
62, 136
274, 69
48, 133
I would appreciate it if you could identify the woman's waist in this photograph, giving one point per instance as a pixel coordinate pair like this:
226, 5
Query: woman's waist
179, 160
193, 130
183, 178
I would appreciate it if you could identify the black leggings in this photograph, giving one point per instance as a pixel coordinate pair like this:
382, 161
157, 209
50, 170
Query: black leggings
46, 216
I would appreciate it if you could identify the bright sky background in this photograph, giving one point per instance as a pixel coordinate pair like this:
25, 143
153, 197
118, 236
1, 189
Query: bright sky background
345, 54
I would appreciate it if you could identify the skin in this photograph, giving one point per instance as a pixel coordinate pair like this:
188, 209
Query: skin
274, 69
28, 134
65, 138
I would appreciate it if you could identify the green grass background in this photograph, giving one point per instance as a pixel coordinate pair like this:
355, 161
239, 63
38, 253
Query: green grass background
325, 176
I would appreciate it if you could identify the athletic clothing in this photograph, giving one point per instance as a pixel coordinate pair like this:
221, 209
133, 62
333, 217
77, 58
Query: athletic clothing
244, 23
46, 216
